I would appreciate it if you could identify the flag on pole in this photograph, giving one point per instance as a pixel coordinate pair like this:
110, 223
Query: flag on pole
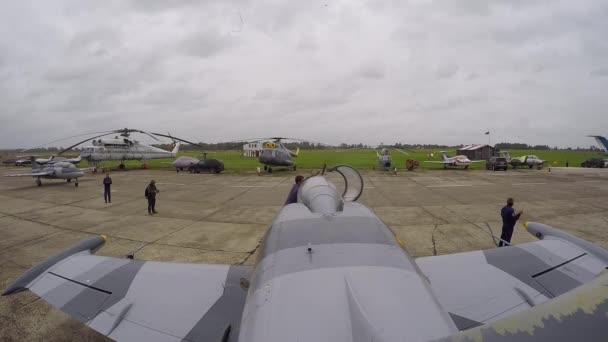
488, 132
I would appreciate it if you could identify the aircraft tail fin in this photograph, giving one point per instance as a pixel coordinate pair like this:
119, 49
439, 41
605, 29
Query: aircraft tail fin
296, 153
176, 149
444, 155
35, 164
602, 141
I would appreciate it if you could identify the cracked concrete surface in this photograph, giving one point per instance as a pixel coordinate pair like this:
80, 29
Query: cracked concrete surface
221, 219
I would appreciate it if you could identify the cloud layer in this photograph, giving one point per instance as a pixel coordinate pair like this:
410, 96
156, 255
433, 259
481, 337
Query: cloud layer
416, 71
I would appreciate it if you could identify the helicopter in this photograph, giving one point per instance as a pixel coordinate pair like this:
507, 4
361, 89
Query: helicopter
274, 152
122, 147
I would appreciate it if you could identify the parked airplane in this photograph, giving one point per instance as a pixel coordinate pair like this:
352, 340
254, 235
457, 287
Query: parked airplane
57, 170
601, 141
460, 160
330, 270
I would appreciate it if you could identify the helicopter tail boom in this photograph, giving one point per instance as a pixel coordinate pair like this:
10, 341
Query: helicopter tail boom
176, 149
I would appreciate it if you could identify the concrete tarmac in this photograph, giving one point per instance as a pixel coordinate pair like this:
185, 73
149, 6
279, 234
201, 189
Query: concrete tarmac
207, 218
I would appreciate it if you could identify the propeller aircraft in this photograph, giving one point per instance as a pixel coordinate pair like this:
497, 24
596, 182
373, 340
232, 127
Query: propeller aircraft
328, 269
460, 160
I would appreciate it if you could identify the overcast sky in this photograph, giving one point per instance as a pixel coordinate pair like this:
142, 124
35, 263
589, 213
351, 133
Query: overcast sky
332, 71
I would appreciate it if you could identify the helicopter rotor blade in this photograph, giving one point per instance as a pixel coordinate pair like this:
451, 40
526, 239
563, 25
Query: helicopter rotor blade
90, 138
175, 138
62, 139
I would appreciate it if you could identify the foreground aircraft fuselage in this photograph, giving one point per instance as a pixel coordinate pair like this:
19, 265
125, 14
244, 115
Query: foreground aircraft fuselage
326, 265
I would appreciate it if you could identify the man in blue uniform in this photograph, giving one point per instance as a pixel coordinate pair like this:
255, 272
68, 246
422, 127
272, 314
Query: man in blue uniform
293, 194
509, 218
107, 182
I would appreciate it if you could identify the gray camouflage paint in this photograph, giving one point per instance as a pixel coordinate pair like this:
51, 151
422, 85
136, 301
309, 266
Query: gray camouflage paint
579, 315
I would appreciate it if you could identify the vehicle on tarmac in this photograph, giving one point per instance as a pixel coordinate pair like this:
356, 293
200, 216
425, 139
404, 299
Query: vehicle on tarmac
595, 163
195, 165
497, 163
207, 165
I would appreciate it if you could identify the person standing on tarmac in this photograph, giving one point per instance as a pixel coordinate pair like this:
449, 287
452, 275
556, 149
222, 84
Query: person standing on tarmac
509, 218
293, 194
107, 181
150, 193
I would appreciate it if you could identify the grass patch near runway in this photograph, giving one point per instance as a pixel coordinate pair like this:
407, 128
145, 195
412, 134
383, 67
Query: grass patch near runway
361, 159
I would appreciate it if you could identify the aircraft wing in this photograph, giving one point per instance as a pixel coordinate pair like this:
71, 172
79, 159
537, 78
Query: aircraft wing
579, 315
33, 174
478, 161
134, 300
438, 162
482, 287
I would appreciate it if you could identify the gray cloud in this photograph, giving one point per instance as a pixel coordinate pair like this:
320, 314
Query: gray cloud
409, 71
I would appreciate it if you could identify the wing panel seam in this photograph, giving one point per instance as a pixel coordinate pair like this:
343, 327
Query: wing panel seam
557, 266
82, 284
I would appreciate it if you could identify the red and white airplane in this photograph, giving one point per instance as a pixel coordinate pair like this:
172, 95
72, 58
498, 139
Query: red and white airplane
459, 160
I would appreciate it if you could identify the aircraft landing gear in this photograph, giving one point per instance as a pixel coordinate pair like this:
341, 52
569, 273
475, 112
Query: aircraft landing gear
69, 180
269, 169
39, 182
265, 167
76, 183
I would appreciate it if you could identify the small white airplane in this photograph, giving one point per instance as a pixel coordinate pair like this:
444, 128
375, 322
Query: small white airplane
459, 160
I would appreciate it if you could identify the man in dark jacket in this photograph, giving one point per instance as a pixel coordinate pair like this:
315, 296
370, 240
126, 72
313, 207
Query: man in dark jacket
509, 218
293, 194
107, 181
150, 193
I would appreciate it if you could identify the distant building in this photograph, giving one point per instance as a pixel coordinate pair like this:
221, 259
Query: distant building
477, 152
253, 149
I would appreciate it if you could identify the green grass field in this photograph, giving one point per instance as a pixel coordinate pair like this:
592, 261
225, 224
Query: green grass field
361, 159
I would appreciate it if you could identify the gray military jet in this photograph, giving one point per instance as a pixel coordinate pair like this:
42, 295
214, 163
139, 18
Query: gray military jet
52, 170
330, 270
